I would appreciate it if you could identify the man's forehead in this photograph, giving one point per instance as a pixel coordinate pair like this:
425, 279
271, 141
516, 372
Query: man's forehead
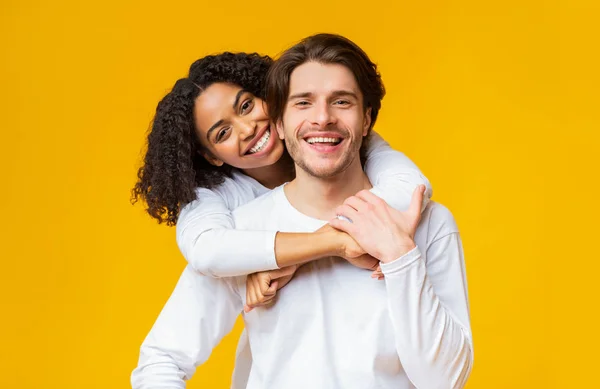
316, 77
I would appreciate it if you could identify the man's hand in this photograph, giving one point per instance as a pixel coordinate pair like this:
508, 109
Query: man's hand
262, 287
380, 230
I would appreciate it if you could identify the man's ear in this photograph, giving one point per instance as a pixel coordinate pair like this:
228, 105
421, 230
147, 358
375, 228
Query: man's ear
211, 158
367, 122
279, 127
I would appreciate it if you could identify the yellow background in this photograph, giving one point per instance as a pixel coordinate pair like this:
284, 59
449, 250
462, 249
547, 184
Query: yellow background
495, 101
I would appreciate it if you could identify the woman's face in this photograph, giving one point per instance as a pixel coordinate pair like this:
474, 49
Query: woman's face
234, 128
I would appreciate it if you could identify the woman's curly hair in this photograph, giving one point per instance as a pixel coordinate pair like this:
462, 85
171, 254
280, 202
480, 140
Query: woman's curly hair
173, 166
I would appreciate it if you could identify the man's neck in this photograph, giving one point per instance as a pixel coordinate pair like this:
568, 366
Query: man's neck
319, 197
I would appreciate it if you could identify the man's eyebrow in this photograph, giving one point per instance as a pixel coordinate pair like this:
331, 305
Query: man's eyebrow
337, 93
302, 95
343, 92
212, 128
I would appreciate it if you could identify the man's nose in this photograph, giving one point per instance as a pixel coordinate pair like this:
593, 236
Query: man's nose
323, 115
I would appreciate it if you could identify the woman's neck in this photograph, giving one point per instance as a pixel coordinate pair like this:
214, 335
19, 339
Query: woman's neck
274, 175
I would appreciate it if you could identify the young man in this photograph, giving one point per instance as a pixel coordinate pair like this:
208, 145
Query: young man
331, 328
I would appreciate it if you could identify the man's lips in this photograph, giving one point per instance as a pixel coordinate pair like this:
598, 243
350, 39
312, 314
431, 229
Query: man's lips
333, 141
256, 139
325, 147
322, 134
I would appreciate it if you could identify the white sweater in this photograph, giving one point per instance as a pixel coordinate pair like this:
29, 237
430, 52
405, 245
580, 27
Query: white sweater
331, 326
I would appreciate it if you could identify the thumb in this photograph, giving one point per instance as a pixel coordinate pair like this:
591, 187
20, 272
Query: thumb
414, 209
272, 288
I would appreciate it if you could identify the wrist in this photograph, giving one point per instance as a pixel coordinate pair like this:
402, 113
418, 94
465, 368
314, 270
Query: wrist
398, 250
326, 241
334, 242
331, 241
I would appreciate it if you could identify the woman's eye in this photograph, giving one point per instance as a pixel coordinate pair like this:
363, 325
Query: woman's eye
302, 103
222, 133
247, 105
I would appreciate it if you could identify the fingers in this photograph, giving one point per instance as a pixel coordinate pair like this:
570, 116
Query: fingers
260, 290
342, 225
272, 289
254, 294
372, 203
347, 211
377, 273
357, 203
368, 197
251, 297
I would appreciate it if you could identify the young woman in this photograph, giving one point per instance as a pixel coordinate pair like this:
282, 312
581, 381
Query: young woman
211, 149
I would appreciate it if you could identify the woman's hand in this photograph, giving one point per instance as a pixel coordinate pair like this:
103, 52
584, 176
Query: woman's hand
262, 287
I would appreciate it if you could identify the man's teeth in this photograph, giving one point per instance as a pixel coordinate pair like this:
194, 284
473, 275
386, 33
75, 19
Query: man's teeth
323, 140
262, 142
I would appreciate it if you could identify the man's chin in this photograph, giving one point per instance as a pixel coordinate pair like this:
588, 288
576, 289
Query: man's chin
328, 171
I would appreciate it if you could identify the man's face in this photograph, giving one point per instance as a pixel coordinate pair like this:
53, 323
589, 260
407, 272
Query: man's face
324, 121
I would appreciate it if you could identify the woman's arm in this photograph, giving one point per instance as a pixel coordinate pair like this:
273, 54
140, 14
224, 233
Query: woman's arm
208, 240
175, 346
393, 175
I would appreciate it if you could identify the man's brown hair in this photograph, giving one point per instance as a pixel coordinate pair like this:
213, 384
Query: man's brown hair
325, 49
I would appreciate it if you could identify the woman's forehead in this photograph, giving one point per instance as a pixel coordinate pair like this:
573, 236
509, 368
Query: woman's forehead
215, 103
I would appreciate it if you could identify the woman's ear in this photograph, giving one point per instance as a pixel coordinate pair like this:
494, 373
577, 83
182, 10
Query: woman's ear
279, 127
211, 158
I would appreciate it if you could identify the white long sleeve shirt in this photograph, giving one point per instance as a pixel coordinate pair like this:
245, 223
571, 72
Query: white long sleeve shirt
331, 326
205, 228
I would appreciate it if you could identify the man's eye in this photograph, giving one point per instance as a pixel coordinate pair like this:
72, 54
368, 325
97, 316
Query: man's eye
342, 102
302, 103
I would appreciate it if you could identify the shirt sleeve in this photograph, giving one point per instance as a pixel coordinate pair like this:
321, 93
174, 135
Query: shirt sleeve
393, 175
208, 241
199, 313
429, 310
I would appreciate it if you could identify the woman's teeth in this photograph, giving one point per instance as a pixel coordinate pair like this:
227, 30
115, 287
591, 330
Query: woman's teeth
262, 142
323, 140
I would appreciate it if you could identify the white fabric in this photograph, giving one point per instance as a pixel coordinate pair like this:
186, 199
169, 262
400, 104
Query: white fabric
332, 326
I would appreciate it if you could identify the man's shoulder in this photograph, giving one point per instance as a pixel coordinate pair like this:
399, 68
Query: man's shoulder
438, 221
